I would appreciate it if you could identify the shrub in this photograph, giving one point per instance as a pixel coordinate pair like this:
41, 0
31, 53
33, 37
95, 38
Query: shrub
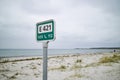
78, 61
62, 67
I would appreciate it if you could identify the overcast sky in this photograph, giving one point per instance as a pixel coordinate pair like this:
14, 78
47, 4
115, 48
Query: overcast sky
79, 23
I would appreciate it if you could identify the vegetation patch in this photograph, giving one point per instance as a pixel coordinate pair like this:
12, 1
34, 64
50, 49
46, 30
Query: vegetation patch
76, 66
36, 75
33, 67
5, 70
28, 59
5, 61
92, 65
78, 61
114, 58
107, 60
62, 67
76, 76
14, 76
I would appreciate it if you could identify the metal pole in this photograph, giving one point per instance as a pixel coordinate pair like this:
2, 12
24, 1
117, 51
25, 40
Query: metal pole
45, 50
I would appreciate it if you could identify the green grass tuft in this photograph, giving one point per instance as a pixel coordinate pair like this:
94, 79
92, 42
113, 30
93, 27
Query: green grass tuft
78, 61
62, 67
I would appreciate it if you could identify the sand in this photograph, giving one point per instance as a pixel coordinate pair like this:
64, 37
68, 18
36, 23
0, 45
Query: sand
61, 67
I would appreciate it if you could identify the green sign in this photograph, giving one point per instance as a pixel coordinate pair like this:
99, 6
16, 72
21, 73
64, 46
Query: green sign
46, 30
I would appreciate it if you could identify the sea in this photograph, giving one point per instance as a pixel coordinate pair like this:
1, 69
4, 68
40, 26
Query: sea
39, 52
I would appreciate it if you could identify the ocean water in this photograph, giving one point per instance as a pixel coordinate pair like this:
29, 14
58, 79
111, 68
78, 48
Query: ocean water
39, 52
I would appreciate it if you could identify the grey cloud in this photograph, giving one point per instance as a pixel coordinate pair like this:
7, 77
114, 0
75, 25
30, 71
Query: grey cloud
110, 6
40, 7
83, 23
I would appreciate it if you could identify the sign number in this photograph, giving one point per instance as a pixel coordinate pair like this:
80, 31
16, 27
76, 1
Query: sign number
44, 28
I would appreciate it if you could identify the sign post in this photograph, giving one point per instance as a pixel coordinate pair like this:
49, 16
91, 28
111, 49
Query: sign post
45, 51
45, 33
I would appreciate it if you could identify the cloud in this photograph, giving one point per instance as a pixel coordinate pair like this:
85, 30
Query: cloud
109, 6
83, 23
41, 7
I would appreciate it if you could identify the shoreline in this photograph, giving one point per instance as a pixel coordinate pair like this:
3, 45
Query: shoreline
53, 56
57, 54
29, 53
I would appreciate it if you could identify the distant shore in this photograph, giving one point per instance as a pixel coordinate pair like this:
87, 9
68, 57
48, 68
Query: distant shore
100, 48
6, 53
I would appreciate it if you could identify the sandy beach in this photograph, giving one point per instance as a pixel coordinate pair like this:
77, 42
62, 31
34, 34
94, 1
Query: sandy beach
97, 66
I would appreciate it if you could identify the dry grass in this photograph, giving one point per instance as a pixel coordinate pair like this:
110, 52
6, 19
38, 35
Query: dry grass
27, 59
107, 59
92, 65
33, 67
5, 61
78, 61
76, 76
76, 66
13, 77
62, 67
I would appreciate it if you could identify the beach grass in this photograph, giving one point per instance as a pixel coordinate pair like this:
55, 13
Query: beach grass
107, 59
62, 67
77, 75
74, 76
17, 60
78, 61
5, 61
76, 66
115, 58
11, 77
